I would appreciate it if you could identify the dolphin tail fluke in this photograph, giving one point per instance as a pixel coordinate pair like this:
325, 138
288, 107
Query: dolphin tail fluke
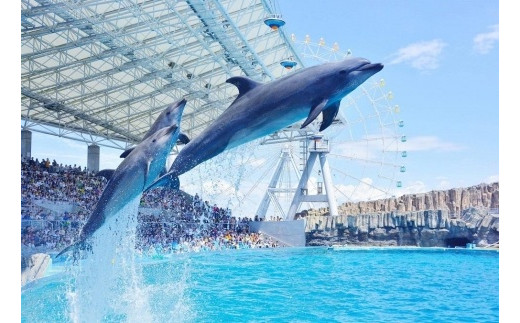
168, 180
174, 183
75, 247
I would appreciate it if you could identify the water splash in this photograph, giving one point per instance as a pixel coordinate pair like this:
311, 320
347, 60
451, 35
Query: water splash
109, 285
220, 179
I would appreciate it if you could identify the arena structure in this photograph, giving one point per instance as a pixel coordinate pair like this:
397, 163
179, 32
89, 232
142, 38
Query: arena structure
101, 71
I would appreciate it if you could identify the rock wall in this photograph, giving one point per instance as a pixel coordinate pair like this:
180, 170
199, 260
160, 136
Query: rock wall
418, 228
453, 201
434, 219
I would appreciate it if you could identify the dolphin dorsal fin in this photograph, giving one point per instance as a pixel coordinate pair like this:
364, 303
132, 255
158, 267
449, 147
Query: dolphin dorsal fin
183, 138
126, 152
243, 84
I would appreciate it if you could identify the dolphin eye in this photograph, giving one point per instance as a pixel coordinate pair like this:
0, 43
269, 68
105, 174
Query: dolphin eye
342, 72
168, 112
154, 140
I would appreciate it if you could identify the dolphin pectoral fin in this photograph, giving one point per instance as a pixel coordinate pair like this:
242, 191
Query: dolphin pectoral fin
243, 84
126, 153
168, 180
315, 111
106, 173
328, 115
146, 172
183, 138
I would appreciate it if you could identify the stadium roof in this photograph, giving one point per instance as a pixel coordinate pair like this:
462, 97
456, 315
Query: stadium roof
101, 71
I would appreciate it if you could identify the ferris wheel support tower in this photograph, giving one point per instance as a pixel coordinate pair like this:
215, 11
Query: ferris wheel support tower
319, 148
365, 133
285, 162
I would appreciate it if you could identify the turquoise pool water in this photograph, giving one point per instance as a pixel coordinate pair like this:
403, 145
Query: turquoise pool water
281, 285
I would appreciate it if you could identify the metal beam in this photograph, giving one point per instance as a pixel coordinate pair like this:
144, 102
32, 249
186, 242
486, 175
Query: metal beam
56, 106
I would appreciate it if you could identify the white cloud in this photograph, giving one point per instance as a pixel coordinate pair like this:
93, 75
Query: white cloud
412, 188
363, 190
444, 185
483, 43
356, 150
430, 143
422, 55
491, 179
369, 147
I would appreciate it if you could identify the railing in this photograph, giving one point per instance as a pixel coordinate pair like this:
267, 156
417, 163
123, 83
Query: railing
283, 243
58, 224
51, 224
493, 211
319, 145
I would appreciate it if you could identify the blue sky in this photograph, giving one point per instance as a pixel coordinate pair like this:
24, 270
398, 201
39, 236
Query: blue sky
441, 62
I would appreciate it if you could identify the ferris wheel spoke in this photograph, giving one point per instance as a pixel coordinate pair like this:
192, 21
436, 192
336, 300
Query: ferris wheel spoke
349, 199
360, 180
370, 161
264, 174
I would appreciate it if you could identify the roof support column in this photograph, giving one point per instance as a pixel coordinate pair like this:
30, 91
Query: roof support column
93, 158
26, 144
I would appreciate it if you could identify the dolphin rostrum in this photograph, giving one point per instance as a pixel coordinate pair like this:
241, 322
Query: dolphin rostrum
261, 109
135, 173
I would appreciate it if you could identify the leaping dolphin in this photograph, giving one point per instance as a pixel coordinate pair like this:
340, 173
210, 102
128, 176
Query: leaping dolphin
166, 118
135, 173
261, 109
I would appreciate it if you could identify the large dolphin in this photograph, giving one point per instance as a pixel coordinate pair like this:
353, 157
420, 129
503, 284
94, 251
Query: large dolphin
261, 109
135, 173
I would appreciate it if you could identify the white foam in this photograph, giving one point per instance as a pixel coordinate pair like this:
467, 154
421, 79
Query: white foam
109, 285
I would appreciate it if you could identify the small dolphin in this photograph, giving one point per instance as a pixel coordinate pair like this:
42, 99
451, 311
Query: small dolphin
165, 119
135, 173
261, 109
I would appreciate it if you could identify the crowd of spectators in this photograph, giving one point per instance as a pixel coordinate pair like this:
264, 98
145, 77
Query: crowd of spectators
57, 200
54, 183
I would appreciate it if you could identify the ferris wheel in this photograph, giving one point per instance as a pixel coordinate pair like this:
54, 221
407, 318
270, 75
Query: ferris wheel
365, 155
